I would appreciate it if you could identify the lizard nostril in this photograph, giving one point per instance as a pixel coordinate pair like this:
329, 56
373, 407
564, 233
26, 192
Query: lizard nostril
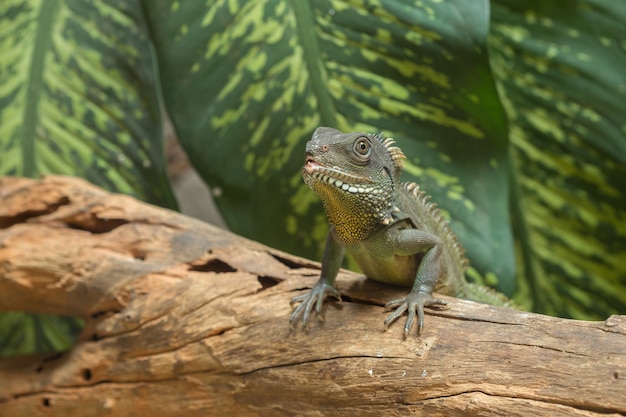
324, 148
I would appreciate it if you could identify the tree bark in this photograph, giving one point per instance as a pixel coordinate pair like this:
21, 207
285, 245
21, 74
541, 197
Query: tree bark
183, 318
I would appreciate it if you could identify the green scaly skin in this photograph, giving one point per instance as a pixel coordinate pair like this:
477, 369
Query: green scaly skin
390, 228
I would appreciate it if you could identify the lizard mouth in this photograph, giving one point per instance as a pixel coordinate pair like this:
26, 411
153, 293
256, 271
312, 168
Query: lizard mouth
336, 177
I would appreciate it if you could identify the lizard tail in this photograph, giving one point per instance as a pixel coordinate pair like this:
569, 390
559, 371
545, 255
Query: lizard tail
483, 294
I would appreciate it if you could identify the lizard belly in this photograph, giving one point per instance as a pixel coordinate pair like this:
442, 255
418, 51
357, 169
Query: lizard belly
386, 267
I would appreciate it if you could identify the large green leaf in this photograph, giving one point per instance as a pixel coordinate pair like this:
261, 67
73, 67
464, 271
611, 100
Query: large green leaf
246, 83
78, 95
561, 68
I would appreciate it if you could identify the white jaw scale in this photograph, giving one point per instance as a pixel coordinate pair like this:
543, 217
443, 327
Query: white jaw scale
345, 186
337, 178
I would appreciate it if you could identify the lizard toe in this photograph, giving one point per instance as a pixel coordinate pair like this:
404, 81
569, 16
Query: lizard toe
414, 304
311, 301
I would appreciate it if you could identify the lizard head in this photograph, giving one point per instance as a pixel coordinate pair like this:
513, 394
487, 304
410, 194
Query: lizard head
355, 175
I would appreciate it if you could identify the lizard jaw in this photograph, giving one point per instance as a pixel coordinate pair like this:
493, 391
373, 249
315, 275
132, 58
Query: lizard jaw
315, 171
310, 166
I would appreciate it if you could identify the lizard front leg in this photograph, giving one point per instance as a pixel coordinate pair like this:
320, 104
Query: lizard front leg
410, 242
331, 262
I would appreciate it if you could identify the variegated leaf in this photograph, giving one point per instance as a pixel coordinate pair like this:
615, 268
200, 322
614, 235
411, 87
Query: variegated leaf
561, 68
78, 95
246, 83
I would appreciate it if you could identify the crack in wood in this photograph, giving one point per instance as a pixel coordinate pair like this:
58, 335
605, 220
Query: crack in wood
25, 216
441, 312
320, 360
268, 282
533, 398
533, 346
293, 264
96, 225
212, 265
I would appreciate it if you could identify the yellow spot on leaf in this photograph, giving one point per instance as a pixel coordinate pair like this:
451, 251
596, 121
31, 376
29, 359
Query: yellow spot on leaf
256, 62
583, 57
369, 55
539, 119
589, 113
515, 33
530, 16
552, 51
491, 279
248, 163
393, 89
302, 199
383, 35
469, 205
291, 224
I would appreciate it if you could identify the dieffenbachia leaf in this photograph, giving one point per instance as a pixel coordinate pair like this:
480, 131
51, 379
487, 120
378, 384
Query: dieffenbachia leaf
561, 68
247, 82
78, 95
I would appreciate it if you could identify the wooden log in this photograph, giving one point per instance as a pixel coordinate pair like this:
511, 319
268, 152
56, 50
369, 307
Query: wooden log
183, 318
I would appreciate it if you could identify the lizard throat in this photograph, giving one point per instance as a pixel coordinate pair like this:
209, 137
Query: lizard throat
355, 209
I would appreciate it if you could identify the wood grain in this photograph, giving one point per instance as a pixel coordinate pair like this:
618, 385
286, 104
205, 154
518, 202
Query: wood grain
183, 318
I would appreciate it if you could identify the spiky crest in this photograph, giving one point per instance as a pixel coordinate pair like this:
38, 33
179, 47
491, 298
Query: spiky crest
433, 211
395, 153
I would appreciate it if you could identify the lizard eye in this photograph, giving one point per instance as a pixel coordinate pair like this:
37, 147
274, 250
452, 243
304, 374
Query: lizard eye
362, 147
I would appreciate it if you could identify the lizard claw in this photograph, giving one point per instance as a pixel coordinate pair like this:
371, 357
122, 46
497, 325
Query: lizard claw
413, 302
313, 299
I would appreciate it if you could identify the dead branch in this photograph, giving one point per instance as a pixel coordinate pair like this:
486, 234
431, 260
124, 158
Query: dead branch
183, 318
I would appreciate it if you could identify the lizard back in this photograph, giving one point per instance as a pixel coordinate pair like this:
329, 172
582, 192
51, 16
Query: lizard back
425, 215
